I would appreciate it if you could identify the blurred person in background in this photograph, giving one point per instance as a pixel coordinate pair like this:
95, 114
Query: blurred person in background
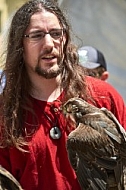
94, 62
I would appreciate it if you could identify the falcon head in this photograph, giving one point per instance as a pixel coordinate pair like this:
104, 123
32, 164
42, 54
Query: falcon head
76, 107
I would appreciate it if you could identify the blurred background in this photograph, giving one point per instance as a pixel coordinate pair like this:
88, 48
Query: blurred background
98, 23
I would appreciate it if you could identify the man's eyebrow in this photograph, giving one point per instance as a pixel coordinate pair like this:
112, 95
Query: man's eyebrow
35, 31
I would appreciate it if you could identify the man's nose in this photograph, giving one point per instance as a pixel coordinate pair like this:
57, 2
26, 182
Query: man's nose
48, 41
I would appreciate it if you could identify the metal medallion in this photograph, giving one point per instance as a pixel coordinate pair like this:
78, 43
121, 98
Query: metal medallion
55, 133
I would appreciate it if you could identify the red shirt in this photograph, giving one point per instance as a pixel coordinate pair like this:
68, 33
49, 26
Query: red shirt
46, 165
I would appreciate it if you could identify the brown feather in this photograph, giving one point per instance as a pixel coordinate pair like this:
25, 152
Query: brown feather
97, 147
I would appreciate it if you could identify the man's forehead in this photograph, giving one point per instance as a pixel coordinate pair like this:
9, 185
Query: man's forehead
44, 20
44, 16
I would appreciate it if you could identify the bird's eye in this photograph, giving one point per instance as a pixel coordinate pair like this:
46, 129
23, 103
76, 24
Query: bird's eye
75, 108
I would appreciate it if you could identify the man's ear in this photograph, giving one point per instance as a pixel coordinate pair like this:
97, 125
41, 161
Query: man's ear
105, 75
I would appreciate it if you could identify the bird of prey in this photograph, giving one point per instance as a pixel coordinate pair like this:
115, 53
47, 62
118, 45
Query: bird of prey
7, 181
96, 147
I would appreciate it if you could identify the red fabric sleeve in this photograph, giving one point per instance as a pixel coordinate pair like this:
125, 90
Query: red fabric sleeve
107, 96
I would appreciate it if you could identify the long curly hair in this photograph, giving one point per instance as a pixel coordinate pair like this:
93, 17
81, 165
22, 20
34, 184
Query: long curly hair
15, 97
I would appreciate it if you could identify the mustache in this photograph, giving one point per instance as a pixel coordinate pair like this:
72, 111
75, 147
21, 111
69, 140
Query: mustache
60, 56
47, 52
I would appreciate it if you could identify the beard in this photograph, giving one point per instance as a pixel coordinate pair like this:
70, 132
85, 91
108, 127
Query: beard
49, 74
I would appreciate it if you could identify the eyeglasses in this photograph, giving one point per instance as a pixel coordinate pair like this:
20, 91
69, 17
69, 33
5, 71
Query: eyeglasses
36, 36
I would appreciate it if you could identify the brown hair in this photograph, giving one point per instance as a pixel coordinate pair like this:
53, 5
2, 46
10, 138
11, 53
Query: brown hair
97, 72
15, 96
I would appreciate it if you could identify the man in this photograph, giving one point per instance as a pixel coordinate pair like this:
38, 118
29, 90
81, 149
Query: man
94, 62
42, 71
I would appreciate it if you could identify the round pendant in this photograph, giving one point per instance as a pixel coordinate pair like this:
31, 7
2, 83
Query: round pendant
55, 133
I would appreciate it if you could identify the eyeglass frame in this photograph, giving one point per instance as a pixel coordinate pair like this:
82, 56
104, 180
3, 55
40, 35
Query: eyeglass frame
44, 33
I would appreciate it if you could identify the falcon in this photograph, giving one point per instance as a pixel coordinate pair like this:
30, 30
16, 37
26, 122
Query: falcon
96, 147
7, 181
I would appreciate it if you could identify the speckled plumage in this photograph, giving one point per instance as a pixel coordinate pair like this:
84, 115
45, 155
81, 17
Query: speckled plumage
7, 181
97, 146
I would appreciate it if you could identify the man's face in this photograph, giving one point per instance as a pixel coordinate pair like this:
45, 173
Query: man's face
43, 45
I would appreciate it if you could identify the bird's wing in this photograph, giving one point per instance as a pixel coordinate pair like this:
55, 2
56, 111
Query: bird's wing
89, 153
89, 175
117, 132
7, 180
110, 115
97, 146
101, 121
